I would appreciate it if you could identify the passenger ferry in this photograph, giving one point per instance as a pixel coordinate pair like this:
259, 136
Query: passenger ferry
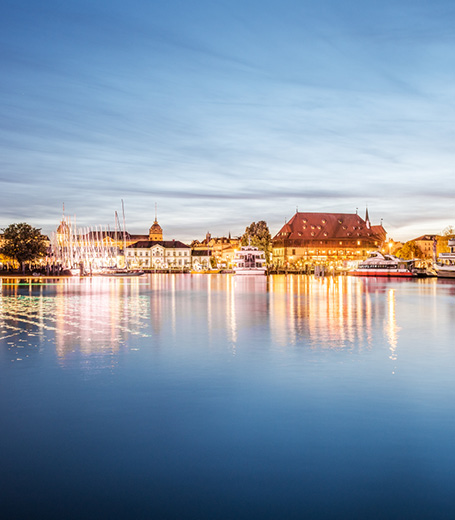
384, 265
249, 260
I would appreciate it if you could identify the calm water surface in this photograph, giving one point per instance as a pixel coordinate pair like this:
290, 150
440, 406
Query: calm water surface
192, 396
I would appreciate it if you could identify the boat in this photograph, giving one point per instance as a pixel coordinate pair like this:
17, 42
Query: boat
445, 268
121, 272
249, 260
205, 271
378, 264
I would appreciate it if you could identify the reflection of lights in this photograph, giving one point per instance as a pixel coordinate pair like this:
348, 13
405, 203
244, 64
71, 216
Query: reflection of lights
231, 316
330, 312
93, 319
391, 325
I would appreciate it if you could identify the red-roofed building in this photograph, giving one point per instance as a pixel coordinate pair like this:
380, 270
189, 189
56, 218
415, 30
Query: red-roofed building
326, 237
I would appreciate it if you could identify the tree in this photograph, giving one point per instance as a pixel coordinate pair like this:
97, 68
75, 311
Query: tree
259, 235
409, 251
23, 243
443, 240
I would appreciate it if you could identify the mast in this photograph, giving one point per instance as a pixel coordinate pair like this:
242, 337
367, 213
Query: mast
124, 236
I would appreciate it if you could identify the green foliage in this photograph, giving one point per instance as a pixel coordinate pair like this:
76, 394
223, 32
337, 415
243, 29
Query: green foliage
23, 243
409, 251
260, 237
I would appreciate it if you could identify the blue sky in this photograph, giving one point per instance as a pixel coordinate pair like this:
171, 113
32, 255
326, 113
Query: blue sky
227, 112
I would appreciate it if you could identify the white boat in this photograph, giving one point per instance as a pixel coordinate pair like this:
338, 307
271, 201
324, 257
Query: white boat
249, 260
445, 268
384, 265
121, 272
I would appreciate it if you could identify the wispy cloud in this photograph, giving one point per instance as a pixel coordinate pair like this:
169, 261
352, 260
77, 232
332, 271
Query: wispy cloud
226, 112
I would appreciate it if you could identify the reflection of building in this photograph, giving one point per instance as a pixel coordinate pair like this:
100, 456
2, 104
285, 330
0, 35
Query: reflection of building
326, 237
162, 254
331, 313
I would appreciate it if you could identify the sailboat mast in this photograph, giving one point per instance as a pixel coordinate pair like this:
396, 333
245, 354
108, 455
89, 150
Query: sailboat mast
124, 236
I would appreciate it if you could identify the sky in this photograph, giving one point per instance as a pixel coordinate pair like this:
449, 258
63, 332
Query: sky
227, 112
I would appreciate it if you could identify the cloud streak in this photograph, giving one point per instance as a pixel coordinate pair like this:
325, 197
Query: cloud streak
225, 113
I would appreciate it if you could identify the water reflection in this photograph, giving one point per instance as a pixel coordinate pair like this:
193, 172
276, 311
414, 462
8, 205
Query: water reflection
84, 318
330, 313
213, 396
100, 316
392, 328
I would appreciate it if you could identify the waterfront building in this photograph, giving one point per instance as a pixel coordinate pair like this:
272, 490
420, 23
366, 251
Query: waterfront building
427, 245
332, 238
222, 248
201, 259
159, 254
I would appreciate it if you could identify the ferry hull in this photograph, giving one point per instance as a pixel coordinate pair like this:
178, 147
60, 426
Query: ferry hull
383, 273
446, 273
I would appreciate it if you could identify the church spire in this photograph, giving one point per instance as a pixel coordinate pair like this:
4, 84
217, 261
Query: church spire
367, 219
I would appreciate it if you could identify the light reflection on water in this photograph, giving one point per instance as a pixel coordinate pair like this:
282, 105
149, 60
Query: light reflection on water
101, 315
229, 397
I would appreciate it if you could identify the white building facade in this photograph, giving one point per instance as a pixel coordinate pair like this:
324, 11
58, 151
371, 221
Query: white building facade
163, 254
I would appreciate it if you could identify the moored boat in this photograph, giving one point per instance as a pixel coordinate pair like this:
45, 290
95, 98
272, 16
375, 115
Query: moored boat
384, 265
121, 272
249, 260
205, 271
445, 268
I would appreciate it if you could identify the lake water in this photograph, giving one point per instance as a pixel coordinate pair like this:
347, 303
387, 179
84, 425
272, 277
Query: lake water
215, 397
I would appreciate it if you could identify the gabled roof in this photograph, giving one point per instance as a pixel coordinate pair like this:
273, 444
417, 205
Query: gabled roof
323, 226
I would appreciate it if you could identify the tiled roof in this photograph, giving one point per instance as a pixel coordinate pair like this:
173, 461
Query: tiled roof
323, 226
167, 244
201, 252
425, 237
